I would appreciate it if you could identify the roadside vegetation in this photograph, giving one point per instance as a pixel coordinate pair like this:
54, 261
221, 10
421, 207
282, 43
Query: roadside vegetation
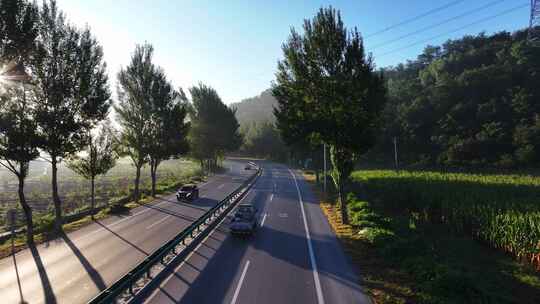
113, 198
469, 105
55, 101
404, 256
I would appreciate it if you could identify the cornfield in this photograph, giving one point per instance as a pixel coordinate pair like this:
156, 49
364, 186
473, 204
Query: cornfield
500, 210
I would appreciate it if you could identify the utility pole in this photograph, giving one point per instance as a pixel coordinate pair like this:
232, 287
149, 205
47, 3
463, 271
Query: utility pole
395, 154
533, 37
324, 168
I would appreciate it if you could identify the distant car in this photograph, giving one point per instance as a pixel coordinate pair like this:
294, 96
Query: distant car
244, 220
247, 167
188, 192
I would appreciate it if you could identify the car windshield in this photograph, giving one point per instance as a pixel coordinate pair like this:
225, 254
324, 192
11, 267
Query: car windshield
243, 215
186, 188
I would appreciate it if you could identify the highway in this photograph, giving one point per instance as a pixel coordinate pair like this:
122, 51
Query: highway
293, 258
74, 268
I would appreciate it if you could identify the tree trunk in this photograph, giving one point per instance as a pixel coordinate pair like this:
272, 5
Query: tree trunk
153, 169
342, 166
26, 209
93, 196
137, 179
343, 203
56, 198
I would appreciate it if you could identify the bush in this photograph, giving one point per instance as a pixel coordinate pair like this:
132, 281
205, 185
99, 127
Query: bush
45, 223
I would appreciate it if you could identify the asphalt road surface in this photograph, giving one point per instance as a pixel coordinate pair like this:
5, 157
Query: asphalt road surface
73, 269
293, 258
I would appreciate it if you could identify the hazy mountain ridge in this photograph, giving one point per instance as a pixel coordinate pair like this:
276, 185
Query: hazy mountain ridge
256, 109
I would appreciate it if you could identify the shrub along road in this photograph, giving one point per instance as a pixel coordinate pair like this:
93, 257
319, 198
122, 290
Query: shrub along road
73, 269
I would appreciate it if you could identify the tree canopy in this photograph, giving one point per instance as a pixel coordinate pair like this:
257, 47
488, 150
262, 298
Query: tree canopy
214, 128
470, 102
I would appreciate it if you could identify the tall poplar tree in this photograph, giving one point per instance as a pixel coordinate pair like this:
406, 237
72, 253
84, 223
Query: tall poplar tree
134, 109
70, 81
215, 129
169, 128
327, 90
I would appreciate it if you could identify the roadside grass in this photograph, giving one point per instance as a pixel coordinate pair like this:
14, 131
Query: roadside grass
44, 225
400, 262
75, 190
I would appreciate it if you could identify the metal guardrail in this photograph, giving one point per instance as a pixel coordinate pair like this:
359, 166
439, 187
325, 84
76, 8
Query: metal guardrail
129, 285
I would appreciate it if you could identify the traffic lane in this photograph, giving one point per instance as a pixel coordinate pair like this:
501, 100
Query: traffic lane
208, 191
280, 269
214, 264
124, 245
131, 243
270, 267
339, 279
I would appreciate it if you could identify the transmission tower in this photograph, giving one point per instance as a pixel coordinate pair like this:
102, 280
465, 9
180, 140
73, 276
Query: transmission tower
534, 24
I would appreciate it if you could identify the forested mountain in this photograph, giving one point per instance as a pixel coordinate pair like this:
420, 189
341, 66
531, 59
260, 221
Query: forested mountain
255, 109
256, 118
472, 101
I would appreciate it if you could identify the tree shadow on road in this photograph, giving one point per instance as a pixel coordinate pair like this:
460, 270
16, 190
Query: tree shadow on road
173, 213
92, 272
48, 293
123, 239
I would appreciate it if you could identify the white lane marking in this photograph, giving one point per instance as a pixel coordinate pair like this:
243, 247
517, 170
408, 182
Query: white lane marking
177, 269
120, 221
320, 298
221, 186
272, 197
237, 291
264, 219
158, 222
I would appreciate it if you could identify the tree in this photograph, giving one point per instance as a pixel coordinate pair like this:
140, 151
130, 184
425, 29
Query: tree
263, 140
19, 21
134, 109
215, 129
72, 92
100, 156
169, 128
18, 138
327, 91
18, 143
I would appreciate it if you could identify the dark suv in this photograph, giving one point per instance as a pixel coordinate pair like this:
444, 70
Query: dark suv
188, 192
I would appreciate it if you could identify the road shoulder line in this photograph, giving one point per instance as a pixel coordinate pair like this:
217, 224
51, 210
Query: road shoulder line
239, 286
320, 298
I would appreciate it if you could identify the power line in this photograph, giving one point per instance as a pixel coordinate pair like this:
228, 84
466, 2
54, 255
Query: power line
438, 24
440, 8
457, 29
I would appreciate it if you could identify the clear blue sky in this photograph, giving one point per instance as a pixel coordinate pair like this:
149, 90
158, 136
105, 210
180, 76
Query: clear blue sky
234, 45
